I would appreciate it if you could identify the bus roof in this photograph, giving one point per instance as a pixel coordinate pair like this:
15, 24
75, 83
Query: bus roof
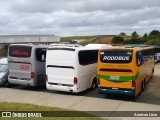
135, 45
156, 46
79, 47
98, 45
37, 45
128, 48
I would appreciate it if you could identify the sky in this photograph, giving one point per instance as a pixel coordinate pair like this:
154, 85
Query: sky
78, 17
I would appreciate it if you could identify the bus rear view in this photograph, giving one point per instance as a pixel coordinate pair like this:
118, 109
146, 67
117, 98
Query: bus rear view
71, 69
60, 69
115, 72
26, 64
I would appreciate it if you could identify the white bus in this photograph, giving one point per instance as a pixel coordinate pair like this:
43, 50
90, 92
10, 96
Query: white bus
71, 68
27, 64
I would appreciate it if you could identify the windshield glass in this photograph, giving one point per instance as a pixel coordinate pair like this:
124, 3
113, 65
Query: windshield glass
116, 56
3, 68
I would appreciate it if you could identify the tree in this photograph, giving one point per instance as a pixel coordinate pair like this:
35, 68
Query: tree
153, 42
145, 36
154, 33
122, 34
117, 39
6, 46
135, 41
134, 35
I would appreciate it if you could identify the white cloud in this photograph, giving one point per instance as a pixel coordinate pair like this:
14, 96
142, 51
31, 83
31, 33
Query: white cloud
78, 17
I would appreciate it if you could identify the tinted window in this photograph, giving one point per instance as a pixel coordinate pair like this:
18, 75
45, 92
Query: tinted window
148, 54
139, 58
41, 54
157, 50
116, 56
20, 51
88, 57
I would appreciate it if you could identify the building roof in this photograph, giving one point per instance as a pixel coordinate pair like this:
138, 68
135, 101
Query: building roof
29, 39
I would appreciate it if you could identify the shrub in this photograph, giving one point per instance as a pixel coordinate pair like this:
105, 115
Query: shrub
117, 39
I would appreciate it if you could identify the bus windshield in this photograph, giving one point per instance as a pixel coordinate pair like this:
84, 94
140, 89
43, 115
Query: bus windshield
20, 51
116, 56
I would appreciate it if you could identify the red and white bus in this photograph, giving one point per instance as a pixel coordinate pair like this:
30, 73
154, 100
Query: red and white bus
27, 64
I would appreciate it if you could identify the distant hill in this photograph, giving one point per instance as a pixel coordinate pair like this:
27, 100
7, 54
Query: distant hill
103, 39
69, 39
153, 38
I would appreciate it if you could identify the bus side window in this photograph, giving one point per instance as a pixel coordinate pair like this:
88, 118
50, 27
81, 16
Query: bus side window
87, 57
41, 54
139, 58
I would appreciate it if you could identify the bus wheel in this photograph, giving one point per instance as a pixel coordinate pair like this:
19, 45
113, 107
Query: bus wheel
94, 83
152, 72
142, 85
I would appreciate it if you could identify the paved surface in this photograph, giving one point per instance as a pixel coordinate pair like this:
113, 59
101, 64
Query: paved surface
149, 100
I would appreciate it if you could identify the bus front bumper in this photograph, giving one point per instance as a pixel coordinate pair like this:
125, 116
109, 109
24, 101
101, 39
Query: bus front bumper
116, 92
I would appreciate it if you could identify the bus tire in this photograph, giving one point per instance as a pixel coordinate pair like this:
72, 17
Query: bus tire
152, 72
142, 86
94, 83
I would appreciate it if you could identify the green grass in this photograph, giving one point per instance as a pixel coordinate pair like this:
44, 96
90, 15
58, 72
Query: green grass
5, 106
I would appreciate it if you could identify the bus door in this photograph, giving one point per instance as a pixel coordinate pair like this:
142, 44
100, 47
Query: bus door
40, 65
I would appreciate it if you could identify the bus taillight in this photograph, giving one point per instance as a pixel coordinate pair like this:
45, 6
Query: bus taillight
32, 75
75, 80
133, 85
